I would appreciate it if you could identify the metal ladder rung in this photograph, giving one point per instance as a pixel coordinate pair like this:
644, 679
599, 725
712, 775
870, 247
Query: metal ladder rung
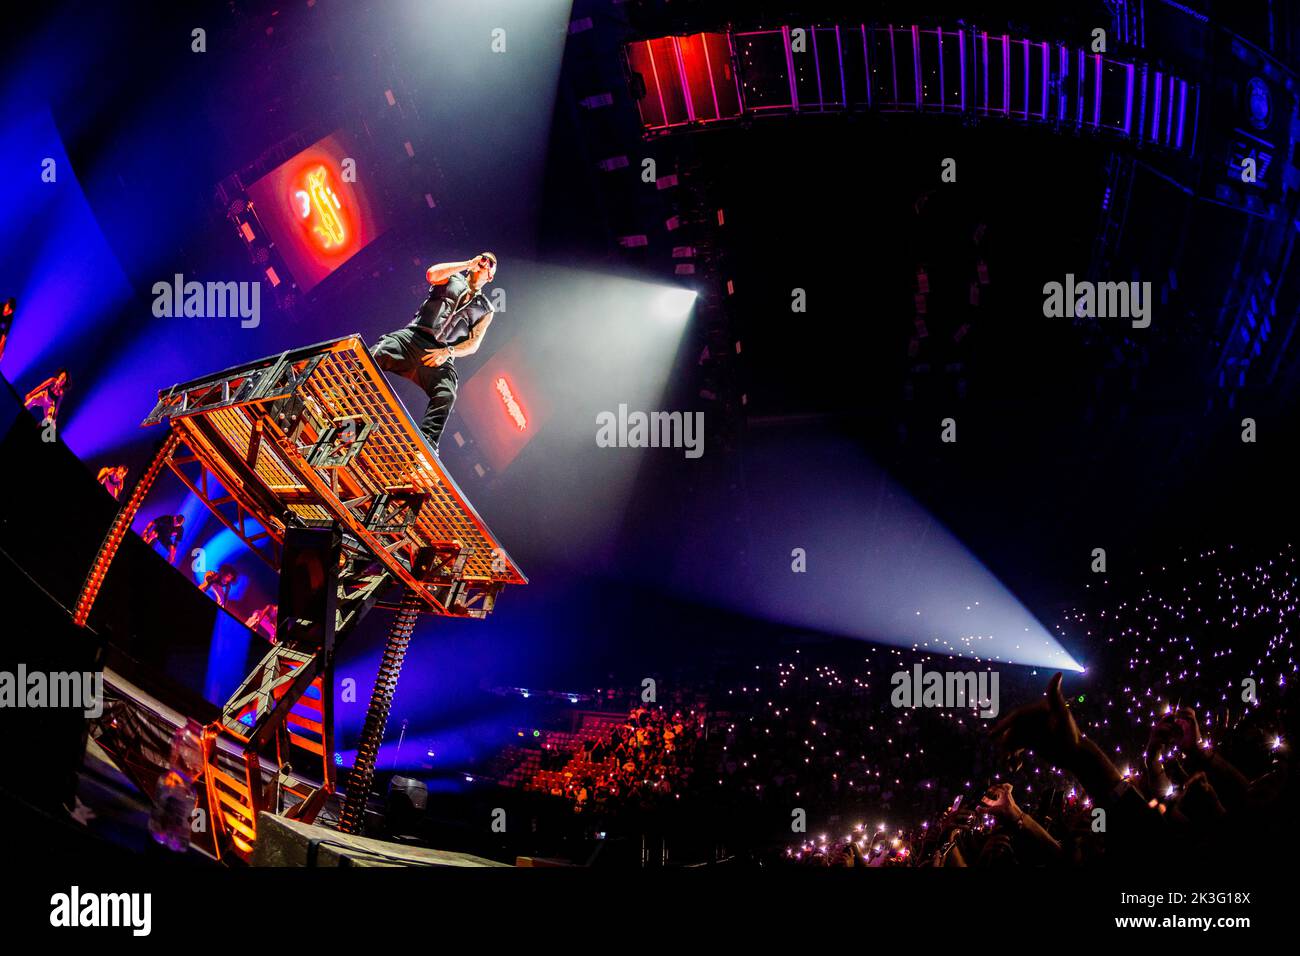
306, 723
221, 776
308, 745
243, 809
239, 825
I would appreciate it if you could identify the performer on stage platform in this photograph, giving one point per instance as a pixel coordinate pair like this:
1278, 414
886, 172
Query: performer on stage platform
113, 478
165, 530
451, 323
218, 584
6, 322
263, 621
47, 397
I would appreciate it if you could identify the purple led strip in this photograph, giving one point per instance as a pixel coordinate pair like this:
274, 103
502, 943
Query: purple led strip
893, 63
1006, 75
961, 62
1078, 86
916, 63
1128, 104
1047, 72
1182, 112
866, 63
1096, 106
789, 66
1155, 111
1061, 98
1026, 47
817, 68
1169, 115
942, 98
839, 51
984, 38
1170, 97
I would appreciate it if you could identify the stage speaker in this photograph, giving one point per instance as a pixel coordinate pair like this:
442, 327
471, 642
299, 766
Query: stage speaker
52, 674
309, 570
405, 806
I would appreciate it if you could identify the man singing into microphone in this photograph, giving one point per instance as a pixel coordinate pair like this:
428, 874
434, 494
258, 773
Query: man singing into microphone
451, 323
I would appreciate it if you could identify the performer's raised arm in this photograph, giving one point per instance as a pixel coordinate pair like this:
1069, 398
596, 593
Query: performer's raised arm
40, 390
443, 271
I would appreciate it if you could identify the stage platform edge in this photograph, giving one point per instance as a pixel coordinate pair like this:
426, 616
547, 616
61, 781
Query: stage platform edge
290, 843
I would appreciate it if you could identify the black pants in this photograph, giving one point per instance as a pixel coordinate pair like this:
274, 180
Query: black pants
401, 352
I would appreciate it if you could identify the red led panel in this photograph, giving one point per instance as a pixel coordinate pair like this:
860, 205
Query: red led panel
502, 405
688, 79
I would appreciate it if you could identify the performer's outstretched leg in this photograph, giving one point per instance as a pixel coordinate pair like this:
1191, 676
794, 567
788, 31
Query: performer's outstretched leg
400, 353
396, 352
440, 385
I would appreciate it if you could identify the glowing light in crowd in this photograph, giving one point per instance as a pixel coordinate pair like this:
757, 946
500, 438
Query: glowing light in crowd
1178, 640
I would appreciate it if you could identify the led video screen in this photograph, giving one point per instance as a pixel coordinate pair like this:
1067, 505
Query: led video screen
315, 208
502, 406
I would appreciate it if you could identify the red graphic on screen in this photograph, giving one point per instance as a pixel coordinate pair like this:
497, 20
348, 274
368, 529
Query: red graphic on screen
322, 215
511, 403
501, 405
317, 220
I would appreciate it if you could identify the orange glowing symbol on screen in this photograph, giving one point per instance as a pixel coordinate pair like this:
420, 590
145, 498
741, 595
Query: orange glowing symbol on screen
318, 204
512, 407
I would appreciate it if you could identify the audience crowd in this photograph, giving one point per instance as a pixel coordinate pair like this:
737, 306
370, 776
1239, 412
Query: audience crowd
1177, 741
646, 758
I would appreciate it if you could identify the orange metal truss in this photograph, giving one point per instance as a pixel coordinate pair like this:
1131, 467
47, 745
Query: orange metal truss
316, 436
